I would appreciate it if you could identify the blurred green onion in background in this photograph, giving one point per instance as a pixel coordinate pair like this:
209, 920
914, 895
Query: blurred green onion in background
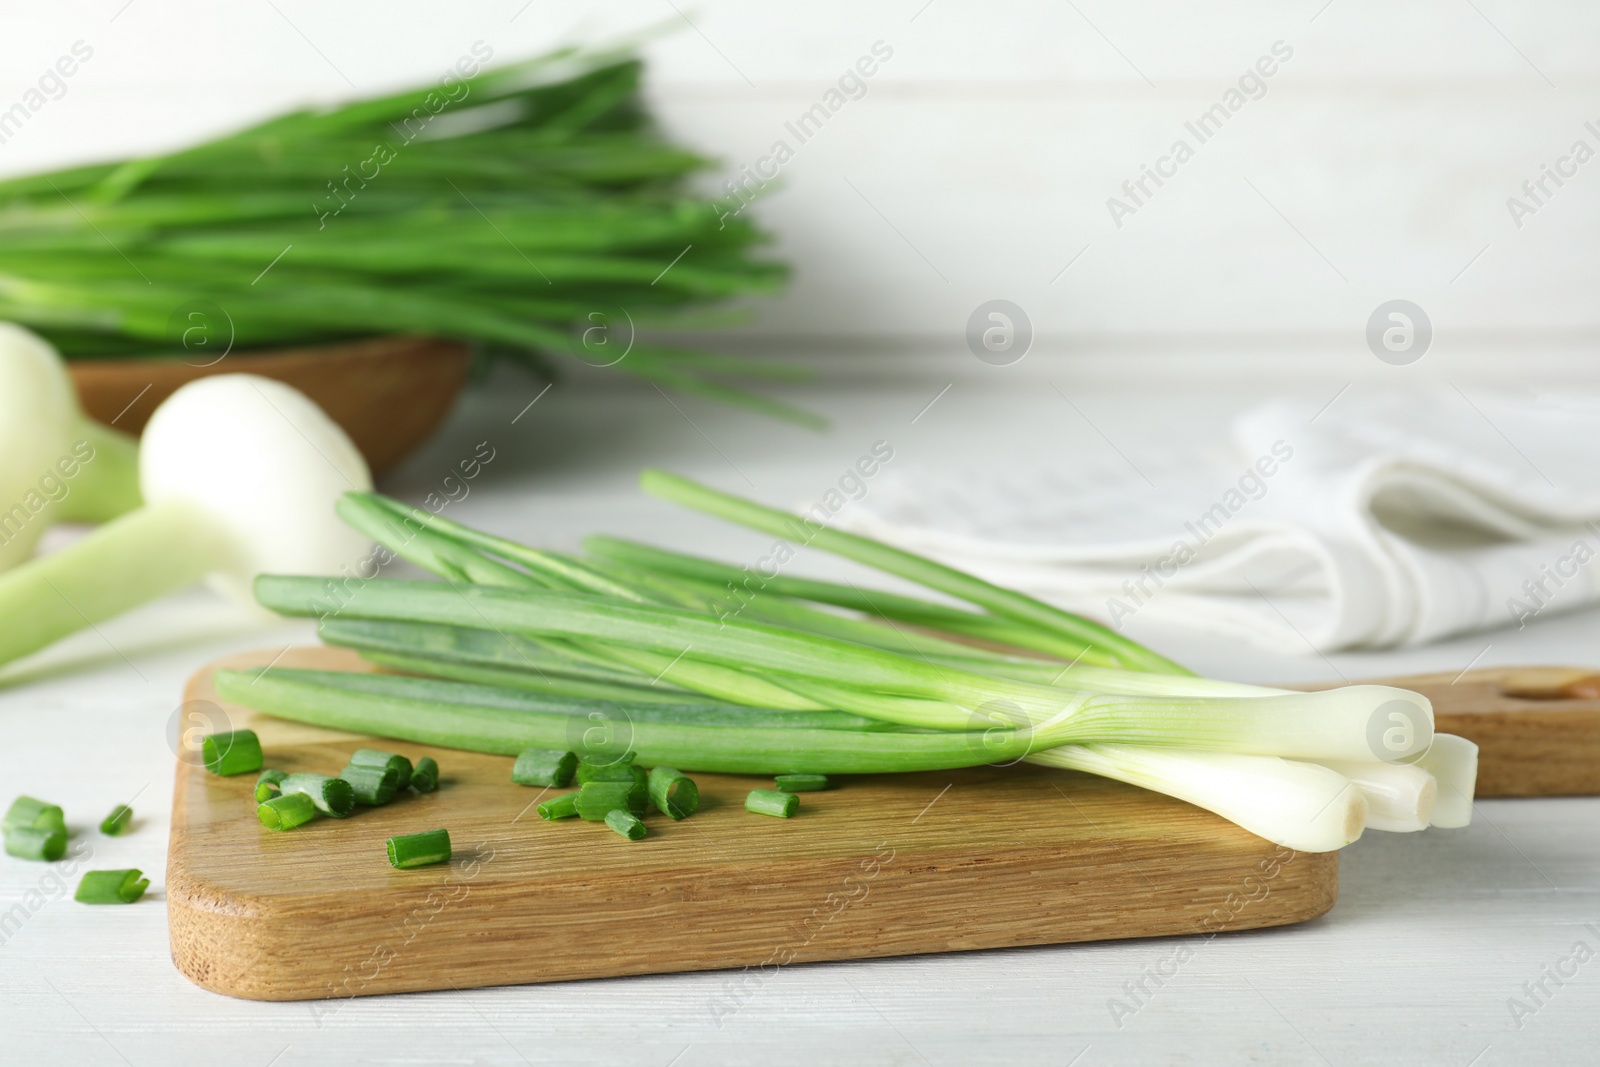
533, 209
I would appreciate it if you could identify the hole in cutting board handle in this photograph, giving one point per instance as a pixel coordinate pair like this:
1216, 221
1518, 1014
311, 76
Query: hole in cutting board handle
1586, 687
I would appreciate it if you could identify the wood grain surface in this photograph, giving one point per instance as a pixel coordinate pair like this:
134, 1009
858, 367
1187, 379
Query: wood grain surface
1537, 728
880, 866
389, 393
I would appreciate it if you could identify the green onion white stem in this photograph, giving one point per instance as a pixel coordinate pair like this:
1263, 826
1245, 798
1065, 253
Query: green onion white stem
1302, 806
56, 464
239, 475
1400, 798
1453, 762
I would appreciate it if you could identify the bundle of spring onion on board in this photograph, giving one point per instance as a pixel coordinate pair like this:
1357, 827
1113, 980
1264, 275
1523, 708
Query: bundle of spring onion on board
532, 209
717, 670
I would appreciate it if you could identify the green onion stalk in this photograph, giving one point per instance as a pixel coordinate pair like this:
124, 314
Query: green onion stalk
534, 210
874, 682
523, 648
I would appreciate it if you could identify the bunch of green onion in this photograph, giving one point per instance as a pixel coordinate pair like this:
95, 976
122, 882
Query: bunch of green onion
702, 666
533, 209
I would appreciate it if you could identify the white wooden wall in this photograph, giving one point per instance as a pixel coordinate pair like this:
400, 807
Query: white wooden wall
978, 164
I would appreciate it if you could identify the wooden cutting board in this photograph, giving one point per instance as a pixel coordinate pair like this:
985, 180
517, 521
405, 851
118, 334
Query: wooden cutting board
1537, 728
880, 866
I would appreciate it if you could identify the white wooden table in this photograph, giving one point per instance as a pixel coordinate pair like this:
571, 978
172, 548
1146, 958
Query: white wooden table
1432, 935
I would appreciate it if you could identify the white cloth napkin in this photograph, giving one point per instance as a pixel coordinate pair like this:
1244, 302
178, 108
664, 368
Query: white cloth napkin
1374, 521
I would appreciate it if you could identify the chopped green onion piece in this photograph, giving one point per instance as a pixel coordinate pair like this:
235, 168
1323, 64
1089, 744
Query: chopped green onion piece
332, 796
425, 776
626, 823
36, 843
371, 757
28, 813
372, 785
544, 766
287, 811
419, 850
772, 802
111, 887
597, 799
639, 799
801, 783
620, 772
35, 830
562, 807
117, 823
673, 794
269, 785
235, 752
600, 769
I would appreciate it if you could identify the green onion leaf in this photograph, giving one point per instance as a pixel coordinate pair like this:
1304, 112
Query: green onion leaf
371, 757
35, 830
332, 796
517, 208
235, 752
772, 802
544, 766
606, 769
801, 783
371, 785
889, 686
598, 799
1006, 603
117, 823
269, 785
626, 824
674, 795
419, 850
34, 815
111, 887
287, 811
561, 807
504, 722
36, 843
640, 797
425, 776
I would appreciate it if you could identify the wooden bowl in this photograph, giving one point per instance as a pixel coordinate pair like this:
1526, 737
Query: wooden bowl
389, 393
